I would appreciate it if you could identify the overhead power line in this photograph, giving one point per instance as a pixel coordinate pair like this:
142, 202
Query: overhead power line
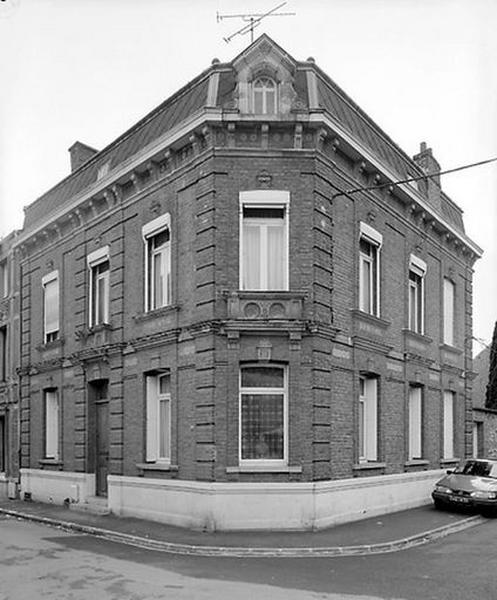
409, 179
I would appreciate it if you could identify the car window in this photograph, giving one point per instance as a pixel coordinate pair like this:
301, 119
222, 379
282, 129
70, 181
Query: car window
477, 468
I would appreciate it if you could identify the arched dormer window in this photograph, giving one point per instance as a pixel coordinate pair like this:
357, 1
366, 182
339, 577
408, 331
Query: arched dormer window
264, 96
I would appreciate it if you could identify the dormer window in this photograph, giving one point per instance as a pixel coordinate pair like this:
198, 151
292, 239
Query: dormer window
264, 95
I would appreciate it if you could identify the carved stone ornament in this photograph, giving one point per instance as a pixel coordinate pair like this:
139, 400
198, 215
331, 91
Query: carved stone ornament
265, 179
264, 350
155, 207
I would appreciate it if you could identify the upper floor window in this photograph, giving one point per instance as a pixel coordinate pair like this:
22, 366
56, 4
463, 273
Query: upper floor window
369, 270
264, 95
50, 285
4, 279
368, 419
157, 237
263, 414
98, 263
417, 270
264, 240
448, 311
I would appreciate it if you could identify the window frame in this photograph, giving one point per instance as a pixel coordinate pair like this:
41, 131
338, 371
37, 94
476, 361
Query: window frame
4, 278
149, 231
4, 354
153, 428
261, 391
52, 334
265, 199
415, 410
449, 311
449, 399
375, 240
368, 419
264, 91
95, 260
417, 267
52, 423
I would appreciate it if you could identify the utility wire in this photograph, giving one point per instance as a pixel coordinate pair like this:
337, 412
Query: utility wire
426, 176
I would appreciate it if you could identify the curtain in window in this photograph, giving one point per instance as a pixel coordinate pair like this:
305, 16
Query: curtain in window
276, 267
251, 257
51, 425
448, 415
415, 423
52, 306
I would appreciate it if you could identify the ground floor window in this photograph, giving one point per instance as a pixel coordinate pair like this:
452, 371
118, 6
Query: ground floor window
368, 419
52, 411
415, 422
158, 435
3, 445
263, 410
448, 424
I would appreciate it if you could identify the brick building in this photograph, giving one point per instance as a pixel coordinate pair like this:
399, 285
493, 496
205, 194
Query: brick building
215, 335
9, 361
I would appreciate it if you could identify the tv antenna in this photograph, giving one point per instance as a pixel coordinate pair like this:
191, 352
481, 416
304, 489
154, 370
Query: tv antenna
253, 20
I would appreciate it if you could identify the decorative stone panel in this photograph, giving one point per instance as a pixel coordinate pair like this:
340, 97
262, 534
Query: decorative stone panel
266, 305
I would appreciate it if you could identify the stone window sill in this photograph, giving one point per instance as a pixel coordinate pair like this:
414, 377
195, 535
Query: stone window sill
155, 314
364, 316
50, 462
264, 469
449, 461
416, 462
421, 337
367, 466
58, 343
156, 467
452, 349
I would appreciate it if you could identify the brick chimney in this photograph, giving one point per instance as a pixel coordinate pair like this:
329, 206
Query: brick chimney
430, 166
80, 153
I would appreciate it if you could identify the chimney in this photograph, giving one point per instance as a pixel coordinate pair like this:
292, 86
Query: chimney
80, 153
430, 166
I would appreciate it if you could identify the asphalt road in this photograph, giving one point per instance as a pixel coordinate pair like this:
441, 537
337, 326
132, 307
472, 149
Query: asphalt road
38, 562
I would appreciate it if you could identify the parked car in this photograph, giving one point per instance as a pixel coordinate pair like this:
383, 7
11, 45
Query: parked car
473, 484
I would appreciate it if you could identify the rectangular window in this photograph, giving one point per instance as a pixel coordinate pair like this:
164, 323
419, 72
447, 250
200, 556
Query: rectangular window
52, 410
478, 444
417, 271
3, 444
3, 353
51, 306
100, 294
158, 435
263, 414
368, 419
264, 240
448, 424
4, 279
449, 303
415, 422
157, 237
369, 270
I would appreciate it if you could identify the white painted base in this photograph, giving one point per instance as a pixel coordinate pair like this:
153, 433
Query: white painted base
57, 486
276, 506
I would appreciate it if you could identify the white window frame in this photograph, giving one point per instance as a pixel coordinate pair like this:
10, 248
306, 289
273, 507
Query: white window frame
149, 231
415, 422
449, 398
52, 424
49, 335
153, 425
4, 275
261, 391
368, 419
418, 267
264, 91
265, 199
449, 309
94, 260
375, 240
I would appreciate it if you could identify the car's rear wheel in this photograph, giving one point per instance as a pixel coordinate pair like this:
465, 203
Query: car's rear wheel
439, 505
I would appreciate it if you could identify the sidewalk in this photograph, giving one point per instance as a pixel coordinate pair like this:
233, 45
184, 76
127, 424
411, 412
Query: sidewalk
385, 533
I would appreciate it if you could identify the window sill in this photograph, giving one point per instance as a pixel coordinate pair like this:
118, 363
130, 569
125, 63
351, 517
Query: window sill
265, 468
364, 316
156, 467
451, 349
449, 461
420, 337
368, 466
50, 462
416, 462
58, 343
154, 314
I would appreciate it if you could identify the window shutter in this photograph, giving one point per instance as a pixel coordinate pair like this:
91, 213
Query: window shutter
152, 419
415, 422
371, 419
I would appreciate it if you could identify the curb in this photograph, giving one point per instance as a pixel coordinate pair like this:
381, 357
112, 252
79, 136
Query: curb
241, 552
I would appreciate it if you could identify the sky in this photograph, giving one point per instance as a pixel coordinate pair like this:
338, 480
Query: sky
86, 70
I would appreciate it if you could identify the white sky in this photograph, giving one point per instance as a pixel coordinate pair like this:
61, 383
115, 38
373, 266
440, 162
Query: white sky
88, 69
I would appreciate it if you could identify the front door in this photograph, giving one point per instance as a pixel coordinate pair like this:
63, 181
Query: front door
101, 435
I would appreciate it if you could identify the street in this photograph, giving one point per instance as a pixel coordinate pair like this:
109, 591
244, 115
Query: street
42, 562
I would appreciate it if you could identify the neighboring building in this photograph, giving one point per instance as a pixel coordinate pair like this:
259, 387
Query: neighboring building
484, 419
213, 335
9, 361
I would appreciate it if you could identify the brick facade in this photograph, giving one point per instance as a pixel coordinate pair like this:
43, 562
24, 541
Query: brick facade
211, 327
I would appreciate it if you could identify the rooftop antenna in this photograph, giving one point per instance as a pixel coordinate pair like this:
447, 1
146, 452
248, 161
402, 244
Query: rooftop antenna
253, 21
